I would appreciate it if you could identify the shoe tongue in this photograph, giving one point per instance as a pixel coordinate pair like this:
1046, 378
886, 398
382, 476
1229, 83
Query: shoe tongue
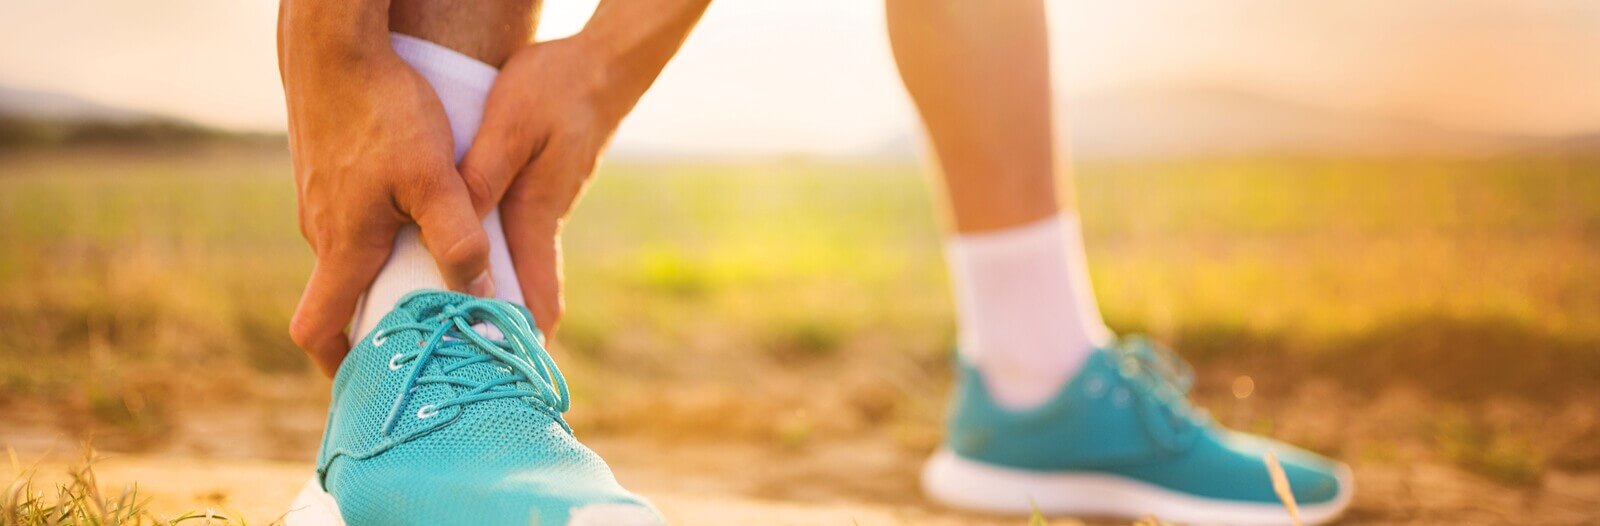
480, 372
427, 303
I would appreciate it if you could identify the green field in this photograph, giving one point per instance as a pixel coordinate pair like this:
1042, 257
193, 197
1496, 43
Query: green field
197, 257
136, 285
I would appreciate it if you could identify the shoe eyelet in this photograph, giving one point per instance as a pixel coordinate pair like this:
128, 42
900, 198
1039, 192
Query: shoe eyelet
426, 412
394, 362
379, 337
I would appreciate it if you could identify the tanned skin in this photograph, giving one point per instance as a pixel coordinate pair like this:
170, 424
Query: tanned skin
979, 73
372, 148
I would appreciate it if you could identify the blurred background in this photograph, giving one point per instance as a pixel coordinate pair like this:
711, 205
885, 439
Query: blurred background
1373, 226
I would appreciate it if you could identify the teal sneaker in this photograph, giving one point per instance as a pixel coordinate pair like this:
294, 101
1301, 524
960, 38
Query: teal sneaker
433, 423
1122, 440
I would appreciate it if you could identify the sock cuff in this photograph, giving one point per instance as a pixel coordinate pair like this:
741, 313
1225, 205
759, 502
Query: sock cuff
436, 61
1021, 239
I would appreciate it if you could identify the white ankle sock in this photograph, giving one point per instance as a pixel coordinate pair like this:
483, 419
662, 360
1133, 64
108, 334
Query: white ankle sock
462, 84
1024, 307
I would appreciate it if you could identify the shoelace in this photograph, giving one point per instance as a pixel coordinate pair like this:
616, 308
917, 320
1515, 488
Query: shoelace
520, 352
1158, 375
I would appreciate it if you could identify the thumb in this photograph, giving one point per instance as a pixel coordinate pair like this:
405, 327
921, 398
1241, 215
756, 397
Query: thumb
501, 149
451, 230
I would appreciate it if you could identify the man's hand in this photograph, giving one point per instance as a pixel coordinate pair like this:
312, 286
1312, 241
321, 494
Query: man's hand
549, 117
546, 122
372, 151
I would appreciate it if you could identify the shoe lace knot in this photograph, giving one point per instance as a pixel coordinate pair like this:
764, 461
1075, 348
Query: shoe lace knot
522, 367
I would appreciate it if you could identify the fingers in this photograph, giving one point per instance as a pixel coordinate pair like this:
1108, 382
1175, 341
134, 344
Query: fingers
453, 233
329, 302
535, 243
502, 147
533, 210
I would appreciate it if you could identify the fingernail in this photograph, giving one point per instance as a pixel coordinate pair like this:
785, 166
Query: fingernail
482, 286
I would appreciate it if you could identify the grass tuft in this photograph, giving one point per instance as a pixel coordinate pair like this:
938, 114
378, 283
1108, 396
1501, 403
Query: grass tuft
80, 502
1036, 517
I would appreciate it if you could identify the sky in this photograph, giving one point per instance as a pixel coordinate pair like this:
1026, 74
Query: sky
763, 76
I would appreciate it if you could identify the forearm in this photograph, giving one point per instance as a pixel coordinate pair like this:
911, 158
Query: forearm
636, 38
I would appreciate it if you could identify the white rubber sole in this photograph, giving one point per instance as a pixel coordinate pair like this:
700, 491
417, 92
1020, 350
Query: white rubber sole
966, 484
314, 507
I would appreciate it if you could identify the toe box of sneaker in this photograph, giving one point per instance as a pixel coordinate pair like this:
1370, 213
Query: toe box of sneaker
1233, 466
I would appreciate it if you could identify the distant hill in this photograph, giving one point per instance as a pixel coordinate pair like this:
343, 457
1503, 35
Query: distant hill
1198, 121
1124, 124
31, 118
18, 103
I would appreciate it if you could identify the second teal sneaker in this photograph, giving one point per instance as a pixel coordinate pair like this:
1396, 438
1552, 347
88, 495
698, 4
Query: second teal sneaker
1122, 440
433, 423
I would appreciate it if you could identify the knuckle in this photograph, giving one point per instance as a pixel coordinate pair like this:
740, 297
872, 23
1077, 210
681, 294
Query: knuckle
326, 235
340, 243
429, 199
372, 231
417, 186
305, 331
479, 184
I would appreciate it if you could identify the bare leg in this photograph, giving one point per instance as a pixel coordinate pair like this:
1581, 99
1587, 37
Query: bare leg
979, 73
485, 30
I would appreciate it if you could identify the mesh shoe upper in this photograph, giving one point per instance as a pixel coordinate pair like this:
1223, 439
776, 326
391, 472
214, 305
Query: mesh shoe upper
432, 423
1127, 413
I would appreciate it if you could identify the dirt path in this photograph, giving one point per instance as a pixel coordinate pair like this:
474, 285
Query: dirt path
740, 484
260, 490
252, 460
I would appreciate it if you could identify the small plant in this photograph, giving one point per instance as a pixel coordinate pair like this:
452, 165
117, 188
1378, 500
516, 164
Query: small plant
79, 502
1036, 518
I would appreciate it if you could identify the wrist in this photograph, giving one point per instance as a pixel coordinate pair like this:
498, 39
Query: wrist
632, 41
618, 78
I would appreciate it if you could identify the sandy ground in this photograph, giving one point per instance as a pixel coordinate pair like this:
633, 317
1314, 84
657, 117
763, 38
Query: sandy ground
260, 491
744, 484
251, 459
